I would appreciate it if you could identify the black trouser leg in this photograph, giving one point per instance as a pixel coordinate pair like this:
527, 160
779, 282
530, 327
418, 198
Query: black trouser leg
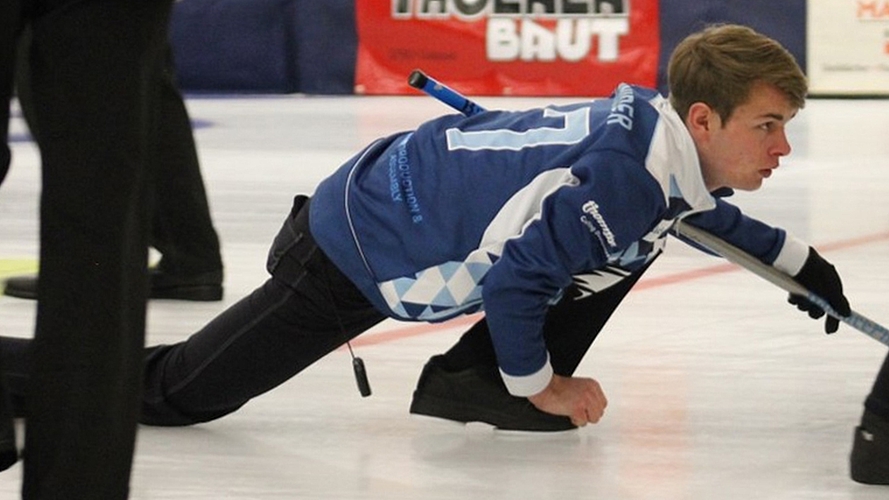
89, 63
15, 356
252, 347
183, 229
306, 310
10, 23
8, 447
570, 328
877, 401
10, 27
22, 81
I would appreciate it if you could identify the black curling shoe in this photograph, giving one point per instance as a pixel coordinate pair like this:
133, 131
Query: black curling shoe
869, 463
478, 394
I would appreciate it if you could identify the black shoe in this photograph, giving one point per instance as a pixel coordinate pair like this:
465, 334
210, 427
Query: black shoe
478, 394
204, 287
869, 463
23, 287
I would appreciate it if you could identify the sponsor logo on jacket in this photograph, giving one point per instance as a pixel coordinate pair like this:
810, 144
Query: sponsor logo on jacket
594, 221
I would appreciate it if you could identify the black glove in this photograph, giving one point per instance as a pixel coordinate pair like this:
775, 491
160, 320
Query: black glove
820, 278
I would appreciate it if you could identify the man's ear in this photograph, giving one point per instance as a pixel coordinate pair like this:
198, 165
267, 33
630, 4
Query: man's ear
701, 119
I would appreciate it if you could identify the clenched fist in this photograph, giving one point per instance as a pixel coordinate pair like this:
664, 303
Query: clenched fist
580, 399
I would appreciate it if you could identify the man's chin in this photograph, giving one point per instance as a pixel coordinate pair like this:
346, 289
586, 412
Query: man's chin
752, 186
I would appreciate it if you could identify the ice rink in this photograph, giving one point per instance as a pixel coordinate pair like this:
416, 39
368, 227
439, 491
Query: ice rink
717, 388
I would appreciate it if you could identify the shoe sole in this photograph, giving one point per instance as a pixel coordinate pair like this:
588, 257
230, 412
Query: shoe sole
197, 293
446, 409
868, 474
19, 294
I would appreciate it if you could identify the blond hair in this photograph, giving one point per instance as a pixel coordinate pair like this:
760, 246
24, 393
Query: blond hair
720, 64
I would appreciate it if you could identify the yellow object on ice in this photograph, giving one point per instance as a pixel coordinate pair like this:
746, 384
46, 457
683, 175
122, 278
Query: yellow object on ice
15, 267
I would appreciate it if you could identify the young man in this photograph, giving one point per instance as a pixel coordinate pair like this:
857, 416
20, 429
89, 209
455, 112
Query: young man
190, 267
543, 218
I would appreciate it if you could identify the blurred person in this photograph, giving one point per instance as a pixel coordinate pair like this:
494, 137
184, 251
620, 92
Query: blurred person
190, 267
90, 65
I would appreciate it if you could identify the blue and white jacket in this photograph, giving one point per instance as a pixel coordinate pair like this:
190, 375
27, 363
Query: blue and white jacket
502, 210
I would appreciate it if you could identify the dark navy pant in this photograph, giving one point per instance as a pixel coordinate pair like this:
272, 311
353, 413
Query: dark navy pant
304, 311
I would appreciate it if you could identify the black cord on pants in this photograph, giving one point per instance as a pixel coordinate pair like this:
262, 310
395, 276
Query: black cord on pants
304, 311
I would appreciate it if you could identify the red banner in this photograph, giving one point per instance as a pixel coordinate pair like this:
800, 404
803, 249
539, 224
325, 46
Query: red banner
508, 47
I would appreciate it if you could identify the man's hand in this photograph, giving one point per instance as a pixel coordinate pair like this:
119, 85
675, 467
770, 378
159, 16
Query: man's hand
821, 278
581, 399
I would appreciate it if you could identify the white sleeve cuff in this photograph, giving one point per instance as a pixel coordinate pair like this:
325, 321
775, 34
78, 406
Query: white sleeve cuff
792, 256
529, 385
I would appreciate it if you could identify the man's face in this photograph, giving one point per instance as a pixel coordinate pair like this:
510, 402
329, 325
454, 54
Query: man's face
741, 152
